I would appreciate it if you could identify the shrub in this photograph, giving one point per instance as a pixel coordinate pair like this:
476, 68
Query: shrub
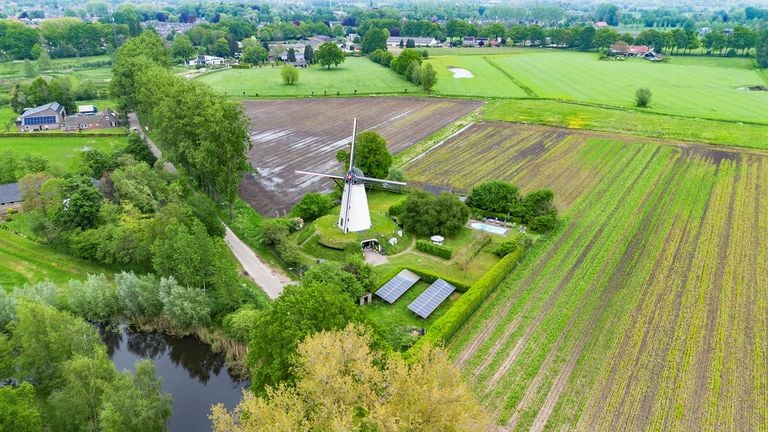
289, 74
138, 295
274, 232
434, 249
94, 299
312, 206
506, 248
543, 223
446, 326
240, 324
241, 66
185, 307
397, 209
494, 196
289, 253
643, 97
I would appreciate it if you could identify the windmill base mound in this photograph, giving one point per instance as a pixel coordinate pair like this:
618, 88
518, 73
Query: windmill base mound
330, 236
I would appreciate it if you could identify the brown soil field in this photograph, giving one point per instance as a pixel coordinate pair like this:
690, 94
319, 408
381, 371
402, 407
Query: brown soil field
305, 134
648, 310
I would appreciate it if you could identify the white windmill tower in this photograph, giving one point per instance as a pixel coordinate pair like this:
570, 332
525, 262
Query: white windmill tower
354, 215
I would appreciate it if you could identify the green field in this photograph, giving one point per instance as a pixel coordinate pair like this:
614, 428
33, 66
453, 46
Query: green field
23, 261
648, 310
488, 81
696, 90
13, 72
356, 73
63, 154
636, 122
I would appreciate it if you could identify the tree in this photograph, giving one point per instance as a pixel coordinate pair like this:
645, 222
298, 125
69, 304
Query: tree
30, 71
138, 55
371, 155
94, 299
642, 97
428, 77
9, 165
762, 49
44, 61
139, 149
495, 196
289, 74
76, 405
424, 214
329, 54
182, 48
309, 54
134, 403
410, 43
609, 13
343, 383
138, 296
332, 273
81, 204
18, 408
255, 54
186, 253
375, 38
311, 308
404, 60
291, 55
312, 206
587, 38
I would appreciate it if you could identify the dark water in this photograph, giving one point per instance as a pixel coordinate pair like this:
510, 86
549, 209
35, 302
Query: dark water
196, 377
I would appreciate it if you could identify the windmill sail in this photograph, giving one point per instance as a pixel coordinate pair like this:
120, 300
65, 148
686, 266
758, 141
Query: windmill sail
354, 215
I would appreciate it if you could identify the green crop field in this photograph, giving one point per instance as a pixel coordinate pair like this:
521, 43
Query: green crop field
63, 154
23, 261
356, 73
636, 122
488, 80
648, 310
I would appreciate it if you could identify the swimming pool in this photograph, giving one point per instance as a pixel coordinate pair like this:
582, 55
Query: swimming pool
489, 228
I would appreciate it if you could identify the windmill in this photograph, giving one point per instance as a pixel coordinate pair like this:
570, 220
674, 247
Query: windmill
354, 215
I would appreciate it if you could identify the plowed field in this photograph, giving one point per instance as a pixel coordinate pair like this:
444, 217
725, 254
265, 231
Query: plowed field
648, 310
305, 134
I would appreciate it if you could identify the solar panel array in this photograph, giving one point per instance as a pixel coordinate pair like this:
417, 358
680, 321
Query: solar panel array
397, 286
431, 298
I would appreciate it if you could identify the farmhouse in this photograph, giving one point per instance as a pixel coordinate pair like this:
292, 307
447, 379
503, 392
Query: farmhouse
44, 117
623, 49
601, 24
206, 60
92, 120
394, 41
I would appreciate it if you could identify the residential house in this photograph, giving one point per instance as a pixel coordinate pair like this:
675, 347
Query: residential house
601, 24
621, 48
44, 117
207, 61
469, 41
99, 120
394, 41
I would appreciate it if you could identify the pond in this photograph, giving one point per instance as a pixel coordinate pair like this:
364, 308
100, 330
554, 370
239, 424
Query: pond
192, 374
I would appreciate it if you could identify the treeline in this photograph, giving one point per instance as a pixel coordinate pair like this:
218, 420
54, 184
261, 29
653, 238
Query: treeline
408, 64
65, 37
203, 132
42, 91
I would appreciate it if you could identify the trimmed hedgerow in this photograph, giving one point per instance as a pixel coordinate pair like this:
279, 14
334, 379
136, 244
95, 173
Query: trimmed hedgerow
434, 249
447, 325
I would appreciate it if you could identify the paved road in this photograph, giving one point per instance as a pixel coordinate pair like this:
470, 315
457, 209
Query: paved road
269, 279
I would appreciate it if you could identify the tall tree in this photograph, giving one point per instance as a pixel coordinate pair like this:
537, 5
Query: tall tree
375, 38
609, 13
330, 54
135, 402
428, 77
136, 56
309, 54
762, 49
343, 384
181, 48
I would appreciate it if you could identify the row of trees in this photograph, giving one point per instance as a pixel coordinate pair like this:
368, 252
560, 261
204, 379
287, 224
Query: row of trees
41, 91
205, 133
409, 65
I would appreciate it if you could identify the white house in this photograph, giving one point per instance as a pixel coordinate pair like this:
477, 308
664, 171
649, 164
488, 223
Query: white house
394, 41
206, 60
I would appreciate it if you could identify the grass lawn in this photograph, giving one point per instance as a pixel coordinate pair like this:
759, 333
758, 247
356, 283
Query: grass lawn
397, 322
62, 153
636, 122
356, 73
23, 261
12, 72
696, 90
488, 81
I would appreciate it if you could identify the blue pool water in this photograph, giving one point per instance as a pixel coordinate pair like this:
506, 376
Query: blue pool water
489, 228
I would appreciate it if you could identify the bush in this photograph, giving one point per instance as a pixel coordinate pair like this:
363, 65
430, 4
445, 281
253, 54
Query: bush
643, 97
494, 196
543, 223
274, 232
506, 248
289, 253
239, 324
397, 209
289, 74
426, 214
185, 308
446, 326
434, 249
241, 66
312, 206
94, 299
138, 296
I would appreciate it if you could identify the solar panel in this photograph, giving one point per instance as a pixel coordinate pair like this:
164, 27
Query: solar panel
431, 298
397, 286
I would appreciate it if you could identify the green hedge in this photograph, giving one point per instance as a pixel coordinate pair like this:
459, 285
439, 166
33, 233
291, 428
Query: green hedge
442, 330
434, 249
480, 214
59, 134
